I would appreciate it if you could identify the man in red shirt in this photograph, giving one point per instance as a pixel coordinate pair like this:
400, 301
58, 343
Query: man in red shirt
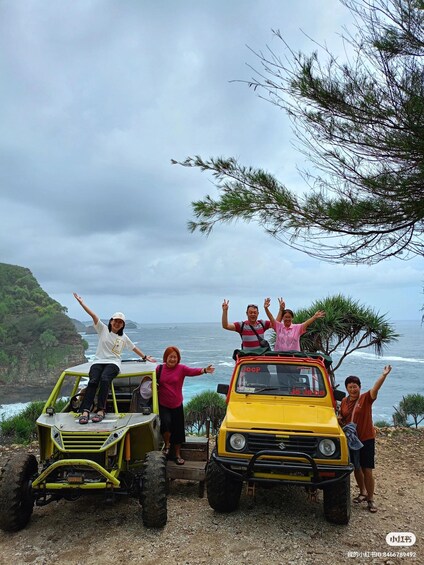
251, 330
357, 408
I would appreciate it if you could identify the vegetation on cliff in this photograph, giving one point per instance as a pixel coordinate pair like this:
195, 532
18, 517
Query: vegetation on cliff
37, 339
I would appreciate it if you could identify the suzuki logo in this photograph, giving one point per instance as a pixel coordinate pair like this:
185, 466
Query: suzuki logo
281, 446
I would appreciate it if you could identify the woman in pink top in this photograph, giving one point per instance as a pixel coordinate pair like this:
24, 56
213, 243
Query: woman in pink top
287, 333
171, 377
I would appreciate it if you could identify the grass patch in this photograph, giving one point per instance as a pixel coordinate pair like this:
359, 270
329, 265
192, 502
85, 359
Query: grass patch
21, 428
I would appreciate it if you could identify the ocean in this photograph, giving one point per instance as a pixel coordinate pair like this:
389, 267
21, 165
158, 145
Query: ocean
207, 343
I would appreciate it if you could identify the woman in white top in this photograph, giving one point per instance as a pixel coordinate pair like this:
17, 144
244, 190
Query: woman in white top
107, 361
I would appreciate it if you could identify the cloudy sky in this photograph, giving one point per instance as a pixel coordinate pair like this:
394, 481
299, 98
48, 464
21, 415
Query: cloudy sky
97, 97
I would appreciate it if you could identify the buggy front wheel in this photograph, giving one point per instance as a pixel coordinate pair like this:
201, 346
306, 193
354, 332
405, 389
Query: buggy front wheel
16, 496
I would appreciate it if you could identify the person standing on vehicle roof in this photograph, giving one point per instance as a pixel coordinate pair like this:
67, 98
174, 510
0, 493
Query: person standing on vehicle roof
288, 334
107, 361
251, 330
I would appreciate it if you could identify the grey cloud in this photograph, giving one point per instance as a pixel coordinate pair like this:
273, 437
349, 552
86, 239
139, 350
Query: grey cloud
97, 97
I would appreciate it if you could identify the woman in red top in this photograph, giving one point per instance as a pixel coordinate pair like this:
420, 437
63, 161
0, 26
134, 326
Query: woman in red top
357, 408
171, 377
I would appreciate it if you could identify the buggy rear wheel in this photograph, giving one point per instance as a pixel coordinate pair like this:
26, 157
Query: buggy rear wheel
16, 496
153, 490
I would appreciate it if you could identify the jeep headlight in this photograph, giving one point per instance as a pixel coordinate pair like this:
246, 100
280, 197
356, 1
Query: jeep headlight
237, 442
327, 447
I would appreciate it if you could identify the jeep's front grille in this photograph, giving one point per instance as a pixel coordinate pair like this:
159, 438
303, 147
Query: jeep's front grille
257, 442
73, 442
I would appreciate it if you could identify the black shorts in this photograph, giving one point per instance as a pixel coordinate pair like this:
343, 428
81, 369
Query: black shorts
172, 420
367, 454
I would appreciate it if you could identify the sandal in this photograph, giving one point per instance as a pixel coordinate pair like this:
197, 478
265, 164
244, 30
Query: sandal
371, 506
84, 418
97, 418
166, 449
360, 498
179, 461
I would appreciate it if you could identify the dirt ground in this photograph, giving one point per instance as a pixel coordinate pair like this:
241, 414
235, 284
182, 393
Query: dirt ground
279, 526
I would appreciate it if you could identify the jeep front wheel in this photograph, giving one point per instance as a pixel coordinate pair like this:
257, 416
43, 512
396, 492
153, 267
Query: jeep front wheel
16, 497
222, 490
337, 502
153, 490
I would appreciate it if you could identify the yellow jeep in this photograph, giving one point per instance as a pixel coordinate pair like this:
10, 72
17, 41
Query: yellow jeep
281, 427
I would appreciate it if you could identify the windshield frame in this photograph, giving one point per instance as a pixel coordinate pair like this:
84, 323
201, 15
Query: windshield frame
273, 377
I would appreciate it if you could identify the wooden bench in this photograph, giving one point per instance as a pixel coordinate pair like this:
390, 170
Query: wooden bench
195, 452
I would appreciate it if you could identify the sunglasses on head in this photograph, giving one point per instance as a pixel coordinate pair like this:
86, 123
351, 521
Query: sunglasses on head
252, 306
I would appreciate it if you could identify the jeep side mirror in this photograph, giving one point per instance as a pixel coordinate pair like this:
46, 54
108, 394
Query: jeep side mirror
339, 394
222, 389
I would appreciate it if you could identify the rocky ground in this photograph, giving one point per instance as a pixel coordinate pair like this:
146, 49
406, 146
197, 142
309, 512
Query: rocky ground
281, 526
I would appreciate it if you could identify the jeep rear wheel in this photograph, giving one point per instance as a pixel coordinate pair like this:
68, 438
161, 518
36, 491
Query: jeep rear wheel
153, 490
16, 497
337, 502
222, 490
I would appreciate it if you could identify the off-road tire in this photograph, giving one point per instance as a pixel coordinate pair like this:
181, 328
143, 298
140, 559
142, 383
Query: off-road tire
222, 490
16, 497
153, 490
337, 502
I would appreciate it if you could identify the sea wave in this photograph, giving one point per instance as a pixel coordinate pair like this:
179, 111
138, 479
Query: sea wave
9, 410
379, 358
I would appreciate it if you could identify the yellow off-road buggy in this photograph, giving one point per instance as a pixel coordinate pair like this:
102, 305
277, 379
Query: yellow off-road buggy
118, 456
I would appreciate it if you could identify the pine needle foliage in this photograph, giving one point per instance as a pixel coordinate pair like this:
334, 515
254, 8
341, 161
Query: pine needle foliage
360, 124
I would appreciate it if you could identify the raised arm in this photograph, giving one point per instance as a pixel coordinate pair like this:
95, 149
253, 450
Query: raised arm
319, 314
225, 323
143, 356
271, 318
86, 308
378, 383
281, 309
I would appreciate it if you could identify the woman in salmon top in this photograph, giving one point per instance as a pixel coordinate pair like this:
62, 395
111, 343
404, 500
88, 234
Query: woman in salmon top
357, 408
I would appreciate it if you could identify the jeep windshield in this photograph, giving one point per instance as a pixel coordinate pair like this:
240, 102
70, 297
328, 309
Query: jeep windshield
280, 379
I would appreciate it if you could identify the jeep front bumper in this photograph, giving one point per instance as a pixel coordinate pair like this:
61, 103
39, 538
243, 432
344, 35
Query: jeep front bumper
272, 466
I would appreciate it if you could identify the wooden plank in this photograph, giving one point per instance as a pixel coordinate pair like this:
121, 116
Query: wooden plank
195, 449
190, 471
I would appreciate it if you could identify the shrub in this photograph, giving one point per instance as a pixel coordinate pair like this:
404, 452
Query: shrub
412, 406
208, 406
400, 419
382, 424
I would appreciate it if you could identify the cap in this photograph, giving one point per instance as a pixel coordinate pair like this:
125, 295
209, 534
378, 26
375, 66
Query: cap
119, 316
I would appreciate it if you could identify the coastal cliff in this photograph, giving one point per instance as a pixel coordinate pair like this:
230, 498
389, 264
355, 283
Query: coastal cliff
37, 339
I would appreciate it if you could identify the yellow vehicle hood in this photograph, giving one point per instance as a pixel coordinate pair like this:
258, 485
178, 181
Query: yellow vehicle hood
300, 417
